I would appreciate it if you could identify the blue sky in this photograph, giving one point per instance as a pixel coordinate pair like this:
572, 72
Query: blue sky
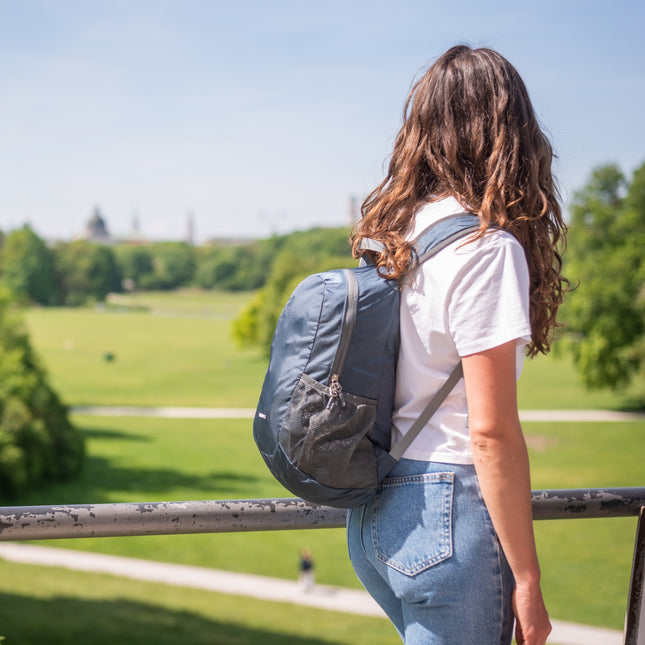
267, 116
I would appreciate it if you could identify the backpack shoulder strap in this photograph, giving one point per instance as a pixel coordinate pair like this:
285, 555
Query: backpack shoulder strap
429, 410
444, 232
434, 238
368, 244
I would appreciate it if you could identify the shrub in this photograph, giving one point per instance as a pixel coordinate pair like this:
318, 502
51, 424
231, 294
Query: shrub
37, 441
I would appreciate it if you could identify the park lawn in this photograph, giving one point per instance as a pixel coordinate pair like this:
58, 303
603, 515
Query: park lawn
156, 358
176, 348
586, 563
55, 606
551, 382
224, 305
147, 459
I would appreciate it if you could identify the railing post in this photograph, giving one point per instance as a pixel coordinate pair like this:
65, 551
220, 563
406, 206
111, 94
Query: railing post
635, 618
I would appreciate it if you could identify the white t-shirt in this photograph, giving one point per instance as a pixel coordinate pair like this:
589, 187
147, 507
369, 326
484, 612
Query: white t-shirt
471, 296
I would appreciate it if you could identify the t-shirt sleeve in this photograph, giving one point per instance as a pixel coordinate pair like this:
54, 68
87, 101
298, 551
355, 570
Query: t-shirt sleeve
489, 303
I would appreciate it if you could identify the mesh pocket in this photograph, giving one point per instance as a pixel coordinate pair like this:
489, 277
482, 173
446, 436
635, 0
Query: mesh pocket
326, 437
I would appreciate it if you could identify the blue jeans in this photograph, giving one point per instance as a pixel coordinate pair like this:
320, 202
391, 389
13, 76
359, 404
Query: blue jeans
426, 550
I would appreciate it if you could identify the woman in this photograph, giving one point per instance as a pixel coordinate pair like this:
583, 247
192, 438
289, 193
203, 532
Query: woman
446, 547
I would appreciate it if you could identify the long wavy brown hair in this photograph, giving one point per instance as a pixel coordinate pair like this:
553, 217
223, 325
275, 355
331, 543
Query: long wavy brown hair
470, 131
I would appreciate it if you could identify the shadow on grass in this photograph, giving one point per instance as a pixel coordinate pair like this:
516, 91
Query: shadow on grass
101, 433
103, 478
633, 404
66, 620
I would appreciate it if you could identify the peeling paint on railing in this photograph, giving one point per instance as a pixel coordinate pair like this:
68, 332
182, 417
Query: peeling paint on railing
588, 503
165, 518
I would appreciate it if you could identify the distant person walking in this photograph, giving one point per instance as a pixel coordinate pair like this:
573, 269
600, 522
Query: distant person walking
306, 576
446, 547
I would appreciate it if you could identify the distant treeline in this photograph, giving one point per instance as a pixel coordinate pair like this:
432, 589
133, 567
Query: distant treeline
78, 272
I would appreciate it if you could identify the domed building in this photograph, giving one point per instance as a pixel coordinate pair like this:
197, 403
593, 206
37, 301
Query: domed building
96, 229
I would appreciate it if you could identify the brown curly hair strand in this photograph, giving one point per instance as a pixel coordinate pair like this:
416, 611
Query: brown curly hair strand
470, 131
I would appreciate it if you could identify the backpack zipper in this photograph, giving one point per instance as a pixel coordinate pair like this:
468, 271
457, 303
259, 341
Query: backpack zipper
351, 306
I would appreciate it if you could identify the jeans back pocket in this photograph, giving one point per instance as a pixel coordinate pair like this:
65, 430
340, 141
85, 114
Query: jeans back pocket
412, 521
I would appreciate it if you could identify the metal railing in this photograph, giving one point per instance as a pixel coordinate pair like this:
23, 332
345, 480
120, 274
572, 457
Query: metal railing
167, 518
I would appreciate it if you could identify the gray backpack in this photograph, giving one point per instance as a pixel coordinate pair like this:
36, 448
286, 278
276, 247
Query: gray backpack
323, 421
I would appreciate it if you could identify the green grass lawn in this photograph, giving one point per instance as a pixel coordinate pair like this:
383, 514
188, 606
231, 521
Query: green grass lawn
176, 349
586, 564
551, 382
191, 302
182, 357
49, 606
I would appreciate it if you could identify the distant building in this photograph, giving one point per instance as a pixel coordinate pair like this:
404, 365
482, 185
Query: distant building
96, 229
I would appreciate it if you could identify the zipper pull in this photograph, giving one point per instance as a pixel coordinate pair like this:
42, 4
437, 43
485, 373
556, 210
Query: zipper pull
335, 390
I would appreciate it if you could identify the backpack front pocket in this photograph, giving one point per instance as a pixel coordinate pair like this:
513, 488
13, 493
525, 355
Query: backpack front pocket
325, 435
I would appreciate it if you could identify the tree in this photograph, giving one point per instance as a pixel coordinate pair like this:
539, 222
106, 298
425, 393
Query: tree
605, 315
28, 267
173, 264
37, 441
300, 254
256, 324
87, 271
135, 263
319, 242
216, 267
249, 266
234, 268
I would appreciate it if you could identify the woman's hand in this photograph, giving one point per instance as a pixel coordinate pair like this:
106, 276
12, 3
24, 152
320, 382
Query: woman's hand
532, 625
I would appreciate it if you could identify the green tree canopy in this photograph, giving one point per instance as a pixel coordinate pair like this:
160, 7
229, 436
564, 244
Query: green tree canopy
235, 268
87, 271
605, 315
300, 254
37, 441
173, 266
135, 263
249, 266
28, 267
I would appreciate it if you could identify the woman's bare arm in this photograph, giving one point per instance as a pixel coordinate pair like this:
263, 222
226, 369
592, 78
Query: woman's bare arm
502, 465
